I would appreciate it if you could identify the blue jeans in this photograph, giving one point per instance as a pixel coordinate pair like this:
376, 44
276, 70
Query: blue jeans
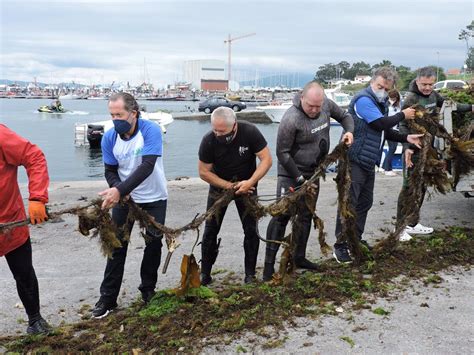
113, 275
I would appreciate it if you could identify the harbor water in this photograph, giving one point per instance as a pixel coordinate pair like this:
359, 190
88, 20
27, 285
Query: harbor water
54, 134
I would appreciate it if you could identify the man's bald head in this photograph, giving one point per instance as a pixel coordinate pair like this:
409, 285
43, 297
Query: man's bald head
312, 98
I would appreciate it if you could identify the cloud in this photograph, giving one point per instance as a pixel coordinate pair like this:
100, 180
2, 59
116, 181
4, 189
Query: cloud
109, 40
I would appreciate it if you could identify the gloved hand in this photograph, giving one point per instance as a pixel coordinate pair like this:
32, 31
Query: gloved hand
37, 212
300, 180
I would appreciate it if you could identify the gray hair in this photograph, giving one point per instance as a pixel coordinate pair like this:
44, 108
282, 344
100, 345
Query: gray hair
426, 72
386, 73
224, 113
129, 101
310, 85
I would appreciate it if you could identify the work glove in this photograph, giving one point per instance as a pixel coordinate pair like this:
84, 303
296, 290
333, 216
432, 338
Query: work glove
37, 212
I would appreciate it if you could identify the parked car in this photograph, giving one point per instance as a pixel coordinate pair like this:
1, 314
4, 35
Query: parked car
212, 103
450, 84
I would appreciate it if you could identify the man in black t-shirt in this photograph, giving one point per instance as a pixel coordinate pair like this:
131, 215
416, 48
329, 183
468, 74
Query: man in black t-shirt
227, 160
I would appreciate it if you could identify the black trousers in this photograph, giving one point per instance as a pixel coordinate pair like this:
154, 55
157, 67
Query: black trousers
113, 275
277, 225
361, 199
211, 230
392, 147
20, 262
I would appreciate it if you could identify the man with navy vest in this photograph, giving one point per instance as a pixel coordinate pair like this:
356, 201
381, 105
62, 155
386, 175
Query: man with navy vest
132, 153
302, 144
369, 109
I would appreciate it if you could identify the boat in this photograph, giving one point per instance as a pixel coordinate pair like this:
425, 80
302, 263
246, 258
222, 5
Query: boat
340, 98
92, 133
69, 97
49, 109
275, 111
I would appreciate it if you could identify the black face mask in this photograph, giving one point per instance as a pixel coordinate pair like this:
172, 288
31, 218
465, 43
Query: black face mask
226, 138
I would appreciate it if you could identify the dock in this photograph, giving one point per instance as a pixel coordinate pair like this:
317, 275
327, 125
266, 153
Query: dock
253, 116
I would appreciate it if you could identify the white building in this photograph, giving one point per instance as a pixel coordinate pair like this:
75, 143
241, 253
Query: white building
204, 73
362, 79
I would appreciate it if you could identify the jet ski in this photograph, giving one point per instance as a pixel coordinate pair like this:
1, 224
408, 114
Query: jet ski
49, 109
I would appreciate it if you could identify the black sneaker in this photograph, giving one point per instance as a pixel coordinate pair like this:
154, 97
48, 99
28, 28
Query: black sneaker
39, 326
341, 254
366, 244
268, 271
248, 279
304, 263
102, 309
206, 279
147, 296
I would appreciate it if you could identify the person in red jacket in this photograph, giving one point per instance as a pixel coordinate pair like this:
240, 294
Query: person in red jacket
15, 244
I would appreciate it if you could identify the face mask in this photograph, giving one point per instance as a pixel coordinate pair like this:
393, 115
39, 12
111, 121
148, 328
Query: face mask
381, 94
226, 138
121, 126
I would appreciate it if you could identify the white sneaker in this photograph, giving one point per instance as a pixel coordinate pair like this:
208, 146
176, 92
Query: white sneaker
380, 170
390, 173
419, 229
404, 236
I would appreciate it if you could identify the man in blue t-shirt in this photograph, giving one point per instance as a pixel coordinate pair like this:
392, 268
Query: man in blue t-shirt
369, 109
132, 153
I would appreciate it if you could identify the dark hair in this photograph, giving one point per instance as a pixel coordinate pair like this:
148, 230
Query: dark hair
394, 94
426, 72
311, 84
129, 101
387, 73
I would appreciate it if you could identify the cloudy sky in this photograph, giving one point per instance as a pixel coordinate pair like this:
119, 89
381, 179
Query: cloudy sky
98, 41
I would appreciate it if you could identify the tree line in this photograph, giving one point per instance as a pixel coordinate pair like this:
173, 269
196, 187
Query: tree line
347, 71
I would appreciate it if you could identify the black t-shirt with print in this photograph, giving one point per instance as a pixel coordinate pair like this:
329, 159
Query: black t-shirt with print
235, 161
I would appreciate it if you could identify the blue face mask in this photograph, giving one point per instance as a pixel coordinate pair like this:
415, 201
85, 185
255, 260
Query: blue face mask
121, 126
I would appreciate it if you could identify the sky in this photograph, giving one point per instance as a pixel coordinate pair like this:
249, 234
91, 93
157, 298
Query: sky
100, 41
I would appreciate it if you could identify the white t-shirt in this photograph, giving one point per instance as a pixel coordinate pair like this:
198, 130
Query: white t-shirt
127, 154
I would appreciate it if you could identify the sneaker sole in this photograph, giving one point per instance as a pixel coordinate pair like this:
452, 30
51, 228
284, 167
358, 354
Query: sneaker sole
104, 315
419, 233
340, 262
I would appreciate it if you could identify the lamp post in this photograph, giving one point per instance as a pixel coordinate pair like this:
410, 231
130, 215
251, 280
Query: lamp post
437, 68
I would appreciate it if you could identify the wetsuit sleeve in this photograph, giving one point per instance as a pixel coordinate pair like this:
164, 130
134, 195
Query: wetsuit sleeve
285, 140
409, 101
342, 116
138, 176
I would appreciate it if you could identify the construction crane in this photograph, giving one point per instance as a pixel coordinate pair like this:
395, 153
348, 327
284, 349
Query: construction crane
229, 41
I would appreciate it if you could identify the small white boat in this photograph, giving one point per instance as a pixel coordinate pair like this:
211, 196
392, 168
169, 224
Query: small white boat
340, 98
97, 98
69, 97
276, 111
91, 133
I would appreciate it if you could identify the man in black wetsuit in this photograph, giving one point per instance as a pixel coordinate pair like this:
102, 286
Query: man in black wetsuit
302, 143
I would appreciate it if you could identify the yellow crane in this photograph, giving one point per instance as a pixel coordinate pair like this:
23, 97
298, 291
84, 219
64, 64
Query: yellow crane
229, 41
